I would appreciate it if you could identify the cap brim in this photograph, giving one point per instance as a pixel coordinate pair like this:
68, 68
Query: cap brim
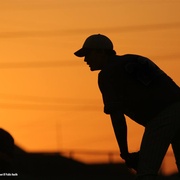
81, 52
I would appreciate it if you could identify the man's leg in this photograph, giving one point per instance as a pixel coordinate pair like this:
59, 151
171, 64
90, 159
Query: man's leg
158, 135
176, 149
154, 146
147, 177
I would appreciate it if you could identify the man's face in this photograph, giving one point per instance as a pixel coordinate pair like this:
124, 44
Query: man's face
95, 60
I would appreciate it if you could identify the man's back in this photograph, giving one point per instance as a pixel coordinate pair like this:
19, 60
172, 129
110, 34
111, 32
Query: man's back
137, 87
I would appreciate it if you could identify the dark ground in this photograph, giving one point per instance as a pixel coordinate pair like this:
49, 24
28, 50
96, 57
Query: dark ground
53, 166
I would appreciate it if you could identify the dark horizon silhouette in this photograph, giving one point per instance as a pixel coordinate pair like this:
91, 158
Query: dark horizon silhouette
53, 165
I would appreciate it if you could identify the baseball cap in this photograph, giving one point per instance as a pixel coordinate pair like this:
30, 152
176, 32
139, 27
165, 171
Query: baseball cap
95, 41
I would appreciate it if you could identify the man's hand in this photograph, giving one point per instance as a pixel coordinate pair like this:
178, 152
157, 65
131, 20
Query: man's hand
131, 160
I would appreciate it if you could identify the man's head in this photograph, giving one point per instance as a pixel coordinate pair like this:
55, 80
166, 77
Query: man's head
6, 143
96, 49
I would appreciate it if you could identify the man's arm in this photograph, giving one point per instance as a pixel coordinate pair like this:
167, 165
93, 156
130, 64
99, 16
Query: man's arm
120, 130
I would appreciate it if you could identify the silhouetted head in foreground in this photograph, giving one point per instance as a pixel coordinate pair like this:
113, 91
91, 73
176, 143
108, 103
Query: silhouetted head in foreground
6, 142
6, 151
96, 50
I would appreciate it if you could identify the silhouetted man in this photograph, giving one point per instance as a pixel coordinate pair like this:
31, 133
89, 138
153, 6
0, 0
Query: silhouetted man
134, 86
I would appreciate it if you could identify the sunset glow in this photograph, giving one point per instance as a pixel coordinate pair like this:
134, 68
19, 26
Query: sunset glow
49, 99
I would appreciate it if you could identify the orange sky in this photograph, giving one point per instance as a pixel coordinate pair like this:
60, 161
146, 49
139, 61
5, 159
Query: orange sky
49, 100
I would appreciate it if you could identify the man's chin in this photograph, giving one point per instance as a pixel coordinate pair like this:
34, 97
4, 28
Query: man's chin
94, 69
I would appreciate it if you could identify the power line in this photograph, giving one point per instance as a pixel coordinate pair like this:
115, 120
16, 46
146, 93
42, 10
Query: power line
49, 107
42, 99
146, 27
54, 33
68, 63
38, 5
38, 64
25, 102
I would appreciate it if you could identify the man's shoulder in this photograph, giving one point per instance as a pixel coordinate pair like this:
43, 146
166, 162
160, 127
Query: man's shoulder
129, 56
117, 62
